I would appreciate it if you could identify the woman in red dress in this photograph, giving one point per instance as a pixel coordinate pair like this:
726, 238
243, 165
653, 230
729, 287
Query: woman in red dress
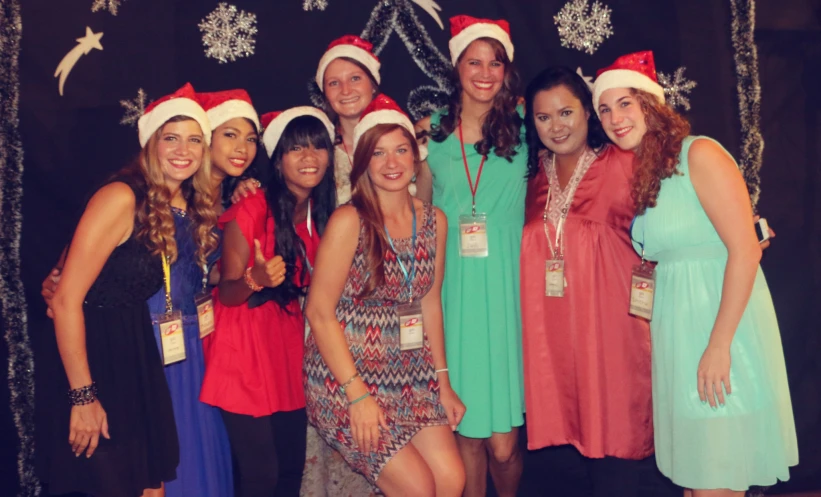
587, 361
254, 358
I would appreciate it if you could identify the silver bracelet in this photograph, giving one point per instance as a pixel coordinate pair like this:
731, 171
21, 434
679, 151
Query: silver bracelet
443, 370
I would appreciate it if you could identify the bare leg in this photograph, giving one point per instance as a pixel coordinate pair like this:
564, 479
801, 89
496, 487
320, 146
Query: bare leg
717, 493
407, 475
474, 456
437, 445
506, 462
154, 492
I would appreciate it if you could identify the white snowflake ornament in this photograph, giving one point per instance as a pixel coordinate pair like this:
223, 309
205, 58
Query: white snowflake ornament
228, 33
134, 108
314, 4
581, 29
677, 88
110, 5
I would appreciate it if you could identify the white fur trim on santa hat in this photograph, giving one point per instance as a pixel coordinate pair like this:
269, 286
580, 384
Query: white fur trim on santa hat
460, 42
272, 134
624, 78
151, 121
229, 110
352, 52
386, 116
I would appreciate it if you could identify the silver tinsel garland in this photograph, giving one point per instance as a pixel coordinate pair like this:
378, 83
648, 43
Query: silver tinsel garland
21, 363
749, 93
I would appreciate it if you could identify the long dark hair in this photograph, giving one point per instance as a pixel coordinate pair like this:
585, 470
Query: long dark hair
366, 202
548, 79
501, 128
302, 131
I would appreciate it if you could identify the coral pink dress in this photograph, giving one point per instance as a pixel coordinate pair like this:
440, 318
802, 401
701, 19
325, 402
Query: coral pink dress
586, 360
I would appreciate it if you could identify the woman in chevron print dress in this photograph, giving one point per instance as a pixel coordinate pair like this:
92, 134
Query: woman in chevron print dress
389, 412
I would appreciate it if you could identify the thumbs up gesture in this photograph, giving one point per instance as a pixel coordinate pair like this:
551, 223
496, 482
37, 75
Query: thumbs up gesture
268, 273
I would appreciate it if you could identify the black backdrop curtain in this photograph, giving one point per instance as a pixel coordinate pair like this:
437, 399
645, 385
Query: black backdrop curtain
72, 141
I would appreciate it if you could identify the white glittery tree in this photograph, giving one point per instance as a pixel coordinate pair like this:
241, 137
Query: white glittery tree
583, 28
134, 108
110, 5
228, 33
314, 4
677, 88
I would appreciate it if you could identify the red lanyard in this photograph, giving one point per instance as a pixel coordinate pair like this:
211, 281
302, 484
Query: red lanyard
473, 187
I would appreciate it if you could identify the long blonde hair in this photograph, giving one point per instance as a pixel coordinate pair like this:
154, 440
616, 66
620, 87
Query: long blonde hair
154, 220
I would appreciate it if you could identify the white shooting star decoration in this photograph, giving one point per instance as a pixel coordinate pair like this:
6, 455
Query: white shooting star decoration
84, 45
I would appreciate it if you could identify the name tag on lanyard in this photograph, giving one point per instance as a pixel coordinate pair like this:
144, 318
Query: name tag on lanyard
554, 281
642, 291
411, 326
205, 313
172, 337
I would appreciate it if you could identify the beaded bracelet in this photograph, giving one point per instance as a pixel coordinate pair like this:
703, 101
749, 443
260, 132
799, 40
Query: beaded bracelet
345, 385
83, 395
354, 401
249, 280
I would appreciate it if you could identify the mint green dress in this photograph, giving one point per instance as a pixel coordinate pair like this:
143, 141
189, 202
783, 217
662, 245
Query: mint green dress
480, 296
751, 440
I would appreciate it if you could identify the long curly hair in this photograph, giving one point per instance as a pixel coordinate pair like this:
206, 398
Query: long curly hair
548, 79
502, 126
302, 131
154, 225
364, 199
657, 156
328, 108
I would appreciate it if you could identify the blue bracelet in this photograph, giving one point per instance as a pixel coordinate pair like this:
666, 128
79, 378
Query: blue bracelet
354, 401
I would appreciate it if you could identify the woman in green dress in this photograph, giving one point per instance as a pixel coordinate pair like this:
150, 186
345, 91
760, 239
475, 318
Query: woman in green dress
476, 172
721, 404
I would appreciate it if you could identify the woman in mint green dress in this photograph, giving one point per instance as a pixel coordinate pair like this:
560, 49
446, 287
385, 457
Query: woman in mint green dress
482, 132
721, 404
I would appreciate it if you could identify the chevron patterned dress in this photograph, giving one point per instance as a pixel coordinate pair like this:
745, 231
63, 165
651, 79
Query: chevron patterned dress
403, 383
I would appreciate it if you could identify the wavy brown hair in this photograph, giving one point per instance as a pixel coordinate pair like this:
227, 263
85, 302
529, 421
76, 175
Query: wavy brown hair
366, 202
502, 126
657, 156
154, 221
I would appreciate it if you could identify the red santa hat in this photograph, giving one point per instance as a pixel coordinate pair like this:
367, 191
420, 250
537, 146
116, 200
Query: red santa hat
383, 110
222, 106
464, 30
635, 70
182, 102
352, 47
275, 123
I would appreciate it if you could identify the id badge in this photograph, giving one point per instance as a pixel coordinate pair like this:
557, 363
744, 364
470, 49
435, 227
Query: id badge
554, 281
473, 235
411, 328
205, 313
642, 291
173, 340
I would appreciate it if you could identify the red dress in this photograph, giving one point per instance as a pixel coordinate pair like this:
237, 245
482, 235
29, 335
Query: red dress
586, 360
253, 359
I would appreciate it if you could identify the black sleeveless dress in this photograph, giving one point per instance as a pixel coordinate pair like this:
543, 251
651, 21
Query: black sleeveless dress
143, 450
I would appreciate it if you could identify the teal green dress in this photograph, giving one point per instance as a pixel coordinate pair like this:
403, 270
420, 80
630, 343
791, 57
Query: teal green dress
480, 296
751, 440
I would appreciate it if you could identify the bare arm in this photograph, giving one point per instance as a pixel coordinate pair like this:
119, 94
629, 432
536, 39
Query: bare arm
233, 290
424, 179
724, 197
333, 263
106, 223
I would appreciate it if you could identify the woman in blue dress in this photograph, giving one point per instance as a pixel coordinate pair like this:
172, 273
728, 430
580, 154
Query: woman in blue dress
721, 404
